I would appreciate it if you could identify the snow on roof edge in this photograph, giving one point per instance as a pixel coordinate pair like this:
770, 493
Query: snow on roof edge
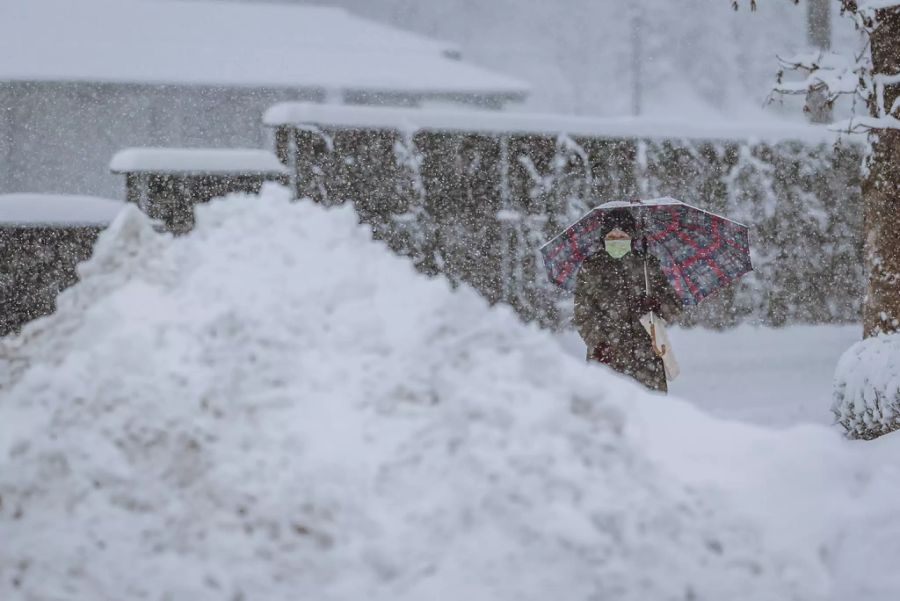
28, 209
511, 89
196, 160
413, 119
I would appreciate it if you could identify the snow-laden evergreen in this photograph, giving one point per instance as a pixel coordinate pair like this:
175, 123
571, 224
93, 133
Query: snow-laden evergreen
477, 204
274, 406
867, 387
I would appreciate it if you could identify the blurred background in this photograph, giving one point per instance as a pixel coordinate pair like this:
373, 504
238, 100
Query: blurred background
694, 57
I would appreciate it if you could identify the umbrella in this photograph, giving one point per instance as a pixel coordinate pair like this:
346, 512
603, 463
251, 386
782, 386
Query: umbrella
699, 252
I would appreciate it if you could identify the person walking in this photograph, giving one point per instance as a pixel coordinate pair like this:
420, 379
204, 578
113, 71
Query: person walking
611, 297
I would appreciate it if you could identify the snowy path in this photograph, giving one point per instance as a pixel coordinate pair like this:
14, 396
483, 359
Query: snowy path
775, 377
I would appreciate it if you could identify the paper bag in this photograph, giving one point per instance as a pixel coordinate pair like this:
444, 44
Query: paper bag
662, 343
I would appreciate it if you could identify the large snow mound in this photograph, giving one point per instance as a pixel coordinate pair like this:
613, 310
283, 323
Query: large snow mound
867, 387
275, 407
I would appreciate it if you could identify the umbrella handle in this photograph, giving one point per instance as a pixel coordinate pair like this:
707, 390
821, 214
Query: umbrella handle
659, 350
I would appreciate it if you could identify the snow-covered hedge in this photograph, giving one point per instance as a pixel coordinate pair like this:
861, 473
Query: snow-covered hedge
867, 387
275, 407
42, 239
477, 206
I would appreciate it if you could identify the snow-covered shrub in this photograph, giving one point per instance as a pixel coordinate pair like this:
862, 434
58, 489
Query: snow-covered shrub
801, 202
867, 387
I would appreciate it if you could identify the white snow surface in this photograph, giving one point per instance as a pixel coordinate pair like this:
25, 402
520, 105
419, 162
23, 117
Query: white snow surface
276, 407
413, 119
867, 385
195, 160
773, 377
228, 43
29, 209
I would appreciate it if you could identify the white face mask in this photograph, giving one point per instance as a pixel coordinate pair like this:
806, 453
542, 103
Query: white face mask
618, 248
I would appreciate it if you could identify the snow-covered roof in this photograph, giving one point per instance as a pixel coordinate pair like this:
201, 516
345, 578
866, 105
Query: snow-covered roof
26, 209
411, 119
195, 160
229, 43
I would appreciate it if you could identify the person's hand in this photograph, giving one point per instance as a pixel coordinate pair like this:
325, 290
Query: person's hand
649, 303
602, 353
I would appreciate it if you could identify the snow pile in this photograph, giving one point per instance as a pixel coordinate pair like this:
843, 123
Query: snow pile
275, 407
867, 387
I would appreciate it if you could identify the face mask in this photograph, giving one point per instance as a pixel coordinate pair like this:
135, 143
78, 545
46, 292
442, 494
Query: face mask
618, 248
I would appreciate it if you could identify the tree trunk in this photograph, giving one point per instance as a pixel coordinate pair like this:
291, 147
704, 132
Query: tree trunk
818, 36
881, 190
818, 24
637, 43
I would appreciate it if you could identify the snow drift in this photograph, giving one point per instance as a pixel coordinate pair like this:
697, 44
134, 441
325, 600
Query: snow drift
275, 407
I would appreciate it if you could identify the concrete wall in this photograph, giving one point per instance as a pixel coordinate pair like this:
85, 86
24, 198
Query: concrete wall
59, 137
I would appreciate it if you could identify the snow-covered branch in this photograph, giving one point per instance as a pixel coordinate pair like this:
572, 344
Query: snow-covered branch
828, 75
861, 125
827, 72
870, 5
736, 4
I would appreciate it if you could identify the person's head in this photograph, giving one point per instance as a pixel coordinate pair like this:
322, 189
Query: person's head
619, 227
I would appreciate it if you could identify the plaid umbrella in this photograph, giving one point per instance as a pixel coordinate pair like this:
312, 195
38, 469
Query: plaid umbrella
699, 252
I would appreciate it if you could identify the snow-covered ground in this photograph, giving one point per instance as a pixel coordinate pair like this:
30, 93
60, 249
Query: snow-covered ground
275, 407
772, 377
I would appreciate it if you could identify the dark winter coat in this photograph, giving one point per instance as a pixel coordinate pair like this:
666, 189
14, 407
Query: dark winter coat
608, 298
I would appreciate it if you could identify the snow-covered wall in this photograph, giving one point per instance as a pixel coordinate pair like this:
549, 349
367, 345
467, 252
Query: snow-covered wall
36, 263
477, 205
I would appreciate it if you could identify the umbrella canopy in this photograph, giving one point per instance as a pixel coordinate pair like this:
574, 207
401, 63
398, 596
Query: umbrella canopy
700, 252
